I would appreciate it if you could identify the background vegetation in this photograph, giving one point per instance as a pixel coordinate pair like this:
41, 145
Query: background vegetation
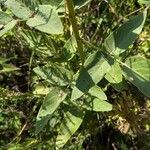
35, 62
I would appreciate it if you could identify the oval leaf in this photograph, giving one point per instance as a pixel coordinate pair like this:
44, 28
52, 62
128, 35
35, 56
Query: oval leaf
56, 75
19, 8
97, 105
115, 74
137, 71
71, 122
50, 104
118, 41
97, 92
96, 66
46, 20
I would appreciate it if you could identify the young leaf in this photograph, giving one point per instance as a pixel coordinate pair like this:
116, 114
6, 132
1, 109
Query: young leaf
95, 67
118, 41
115, 74
10, 25
97, 105
50, 104
137, 71
147, 2
46, 20
97, 92
4, 18
70, 49
8, 68
71, 122
3, 60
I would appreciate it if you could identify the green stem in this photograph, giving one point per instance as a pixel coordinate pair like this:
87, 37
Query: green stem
71, 11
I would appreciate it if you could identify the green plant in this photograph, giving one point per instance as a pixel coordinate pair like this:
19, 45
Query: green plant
73, 78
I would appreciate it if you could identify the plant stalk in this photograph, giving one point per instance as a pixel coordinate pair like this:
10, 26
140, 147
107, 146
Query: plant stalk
71, 12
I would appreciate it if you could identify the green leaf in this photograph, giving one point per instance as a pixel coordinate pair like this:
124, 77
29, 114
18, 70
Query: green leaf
10, 25
19, 8
56, 75
50, 104
97, 92
120, 86
83, 83
147, 2
46, 20
8, 68
4, 18
41, 89
137, 71
59, 4
95, 68
97, 65
97, 105
115, 74
70, 49
3, 60
118, 41
54, 3
29, 37
71, 122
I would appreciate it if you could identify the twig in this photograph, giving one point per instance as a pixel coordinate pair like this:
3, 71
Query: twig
22, 129
134, 12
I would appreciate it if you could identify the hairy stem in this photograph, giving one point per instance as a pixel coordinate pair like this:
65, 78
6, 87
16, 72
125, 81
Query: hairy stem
71, 11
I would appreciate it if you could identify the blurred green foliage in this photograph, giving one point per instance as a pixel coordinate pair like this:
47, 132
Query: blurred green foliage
22, 91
